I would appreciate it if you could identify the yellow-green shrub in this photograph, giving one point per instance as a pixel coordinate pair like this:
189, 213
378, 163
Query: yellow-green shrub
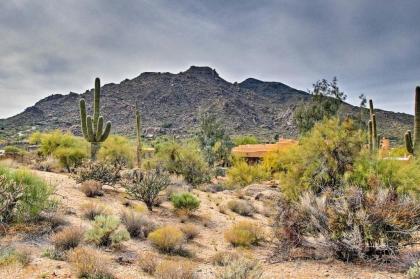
167, 239
242, 174
117, 150
244, 233
244, 139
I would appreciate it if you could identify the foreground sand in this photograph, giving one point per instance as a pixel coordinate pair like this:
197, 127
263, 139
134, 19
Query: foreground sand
209, 219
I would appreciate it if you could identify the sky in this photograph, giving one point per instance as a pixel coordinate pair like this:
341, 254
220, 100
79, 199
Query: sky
49, 47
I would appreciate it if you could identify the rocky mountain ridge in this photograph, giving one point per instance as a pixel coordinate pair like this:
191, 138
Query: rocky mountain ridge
171, 104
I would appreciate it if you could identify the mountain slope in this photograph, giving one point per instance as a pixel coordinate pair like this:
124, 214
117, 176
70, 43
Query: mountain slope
171, 104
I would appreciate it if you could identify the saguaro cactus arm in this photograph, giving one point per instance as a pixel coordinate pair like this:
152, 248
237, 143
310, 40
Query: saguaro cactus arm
409, 142
416, 141
93, 128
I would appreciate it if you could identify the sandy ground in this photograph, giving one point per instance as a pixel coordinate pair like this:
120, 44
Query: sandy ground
211, 222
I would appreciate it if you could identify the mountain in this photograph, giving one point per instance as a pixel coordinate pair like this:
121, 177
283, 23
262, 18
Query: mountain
172, 103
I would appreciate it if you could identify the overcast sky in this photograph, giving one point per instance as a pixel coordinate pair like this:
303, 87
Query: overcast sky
372, 46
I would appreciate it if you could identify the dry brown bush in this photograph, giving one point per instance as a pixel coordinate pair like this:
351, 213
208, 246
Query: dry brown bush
91, 188
242, 207
68, 238
90, 263
190, 231
168, 269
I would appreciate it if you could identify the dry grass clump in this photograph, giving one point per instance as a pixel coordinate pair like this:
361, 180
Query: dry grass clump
91, 188
138, 225
244, 233
148, 262
223, 258
190, 231
241, 207
241, 268
167, 239
68, 238
10, 255
168, 269
90, 263
106, 231
91, 210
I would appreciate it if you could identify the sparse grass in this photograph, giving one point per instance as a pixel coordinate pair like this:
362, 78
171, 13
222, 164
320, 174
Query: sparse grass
190, 231
167, 239
223, 258
90, 263
148, 262
169, 269
241, 207
91, 188
68, 238
241, 268
138, 225
244, 233
91, 210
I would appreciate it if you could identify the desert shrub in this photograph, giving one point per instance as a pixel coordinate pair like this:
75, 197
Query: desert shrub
105, 231
167, 239
148, 262
190, 231
242, 174
245, 139
214, 142
23, 195
350, 224
241, 207
48, 163
118, 151
186, 202
244, 233
10, 255
186, 160
68, 149
68, 238
14, 152
100, 171
414, 271
169, 269
90, 263
91, 188
241, 268
138, 225
224, 258
322, 158
146, 186
91, 210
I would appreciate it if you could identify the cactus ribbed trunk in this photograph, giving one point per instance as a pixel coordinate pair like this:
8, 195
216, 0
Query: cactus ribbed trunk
373, 131
370, 136
416, 141
138, 137
93, 128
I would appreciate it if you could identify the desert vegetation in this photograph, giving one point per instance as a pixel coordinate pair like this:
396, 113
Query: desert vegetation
98, 208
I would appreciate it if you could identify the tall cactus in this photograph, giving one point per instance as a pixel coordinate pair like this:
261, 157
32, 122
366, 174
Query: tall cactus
373, 129
93, 129
138, 136
413, 144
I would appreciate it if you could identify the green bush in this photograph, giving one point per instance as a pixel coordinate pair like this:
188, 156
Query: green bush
167, 239
322, 158
118, 151
68, 149
244, 233
246, 139
242, 174
105, 231
14, 151
23, 195
185, 201
184, 159
414, 271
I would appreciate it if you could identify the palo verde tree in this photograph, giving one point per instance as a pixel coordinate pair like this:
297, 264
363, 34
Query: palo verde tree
413, 144
93, 128
325, 103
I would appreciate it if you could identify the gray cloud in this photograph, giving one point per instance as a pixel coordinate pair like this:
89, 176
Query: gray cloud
60, 46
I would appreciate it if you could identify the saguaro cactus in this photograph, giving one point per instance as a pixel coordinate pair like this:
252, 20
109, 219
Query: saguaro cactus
93, 129
373, 130
413, 144
138, 136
